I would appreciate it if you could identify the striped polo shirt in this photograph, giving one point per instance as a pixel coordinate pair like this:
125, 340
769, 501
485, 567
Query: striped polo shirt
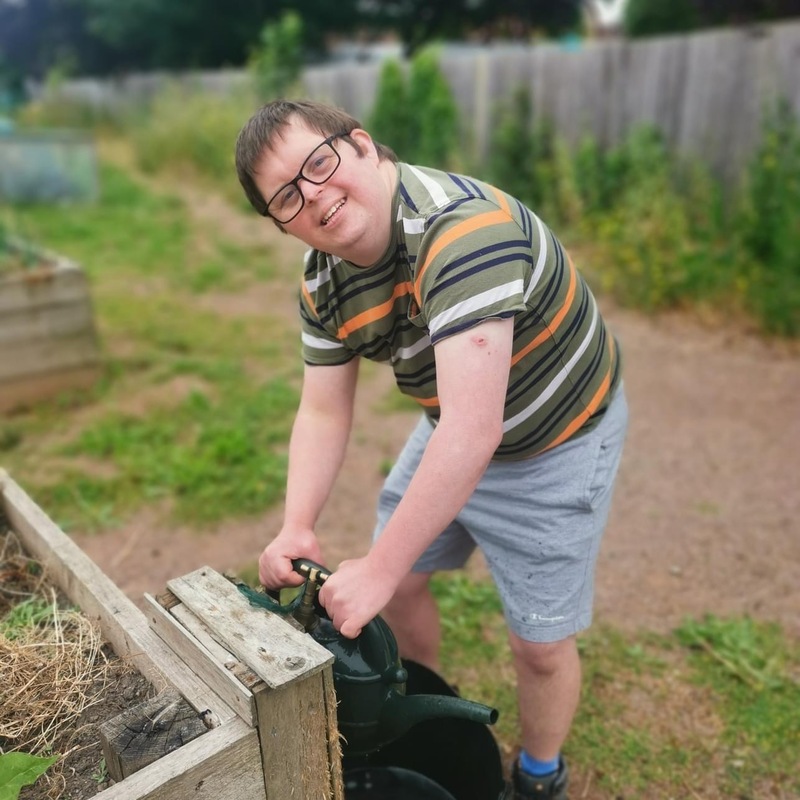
463, 252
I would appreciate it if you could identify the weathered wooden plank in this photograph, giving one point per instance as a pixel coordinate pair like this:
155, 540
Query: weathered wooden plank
123, 625
64, 319
27, 389
37, 355
148, 731
62, 283
269, 645
211, 662
296, 725
223, 764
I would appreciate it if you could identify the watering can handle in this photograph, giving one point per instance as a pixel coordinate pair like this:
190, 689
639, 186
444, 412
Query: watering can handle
309, 569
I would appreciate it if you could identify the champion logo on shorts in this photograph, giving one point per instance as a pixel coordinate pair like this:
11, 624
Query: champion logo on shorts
534, 617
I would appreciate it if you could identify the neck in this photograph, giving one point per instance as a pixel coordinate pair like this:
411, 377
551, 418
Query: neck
371, 255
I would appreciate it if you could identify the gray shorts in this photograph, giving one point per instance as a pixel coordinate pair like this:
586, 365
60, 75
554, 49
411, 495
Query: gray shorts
538, 523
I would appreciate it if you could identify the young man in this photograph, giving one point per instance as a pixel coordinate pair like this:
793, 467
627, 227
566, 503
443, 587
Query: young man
486, 323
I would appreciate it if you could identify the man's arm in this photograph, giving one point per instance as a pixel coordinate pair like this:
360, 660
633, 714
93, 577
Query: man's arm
472, 370
316, 451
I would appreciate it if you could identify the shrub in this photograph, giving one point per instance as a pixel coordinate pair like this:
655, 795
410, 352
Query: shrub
434, 124
417, 117
195, 131
767, 222
390, 120
523, 155
277, 61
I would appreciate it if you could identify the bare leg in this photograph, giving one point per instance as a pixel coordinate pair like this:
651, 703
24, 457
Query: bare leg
413, 616
548, 690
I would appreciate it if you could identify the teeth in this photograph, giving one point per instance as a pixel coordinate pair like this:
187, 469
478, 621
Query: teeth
334, 208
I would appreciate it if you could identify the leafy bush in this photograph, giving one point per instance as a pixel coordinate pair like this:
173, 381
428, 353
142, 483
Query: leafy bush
657, 224
390, 119
434, 124
522, 157
277, 61
191, 131
417, 117
768, 222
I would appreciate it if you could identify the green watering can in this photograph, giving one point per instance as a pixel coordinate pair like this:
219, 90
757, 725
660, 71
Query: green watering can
370, 681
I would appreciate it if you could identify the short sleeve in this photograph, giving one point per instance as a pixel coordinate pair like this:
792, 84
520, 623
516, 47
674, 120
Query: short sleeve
474, 264
319, 346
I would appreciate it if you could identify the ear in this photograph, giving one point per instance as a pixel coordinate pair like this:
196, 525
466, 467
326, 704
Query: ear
364, 141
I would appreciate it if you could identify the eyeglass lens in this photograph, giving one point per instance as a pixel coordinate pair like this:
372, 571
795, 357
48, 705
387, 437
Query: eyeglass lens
317, 168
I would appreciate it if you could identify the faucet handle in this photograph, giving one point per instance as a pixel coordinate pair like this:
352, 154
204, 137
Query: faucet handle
315, 575
313, 572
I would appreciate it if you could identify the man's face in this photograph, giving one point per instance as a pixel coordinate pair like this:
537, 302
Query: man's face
349, 215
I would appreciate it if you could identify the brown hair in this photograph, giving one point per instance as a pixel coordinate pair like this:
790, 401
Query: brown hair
270, 120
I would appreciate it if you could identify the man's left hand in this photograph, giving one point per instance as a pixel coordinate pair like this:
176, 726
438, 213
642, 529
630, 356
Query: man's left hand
355, 594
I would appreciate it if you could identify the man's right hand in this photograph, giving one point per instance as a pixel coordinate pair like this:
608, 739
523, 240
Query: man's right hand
275, 569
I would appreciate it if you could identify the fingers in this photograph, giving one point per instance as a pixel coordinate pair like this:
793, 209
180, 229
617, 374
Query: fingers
349, 629
277, 572
345, 612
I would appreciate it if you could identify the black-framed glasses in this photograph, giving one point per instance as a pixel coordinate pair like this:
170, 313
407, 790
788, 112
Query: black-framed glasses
320, 165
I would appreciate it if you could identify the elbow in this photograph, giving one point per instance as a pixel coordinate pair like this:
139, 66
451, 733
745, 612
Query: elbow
486, 438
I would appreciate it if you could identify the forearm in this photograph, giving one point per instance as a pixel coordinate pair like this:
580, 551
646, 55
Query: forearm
448, 473
316, 451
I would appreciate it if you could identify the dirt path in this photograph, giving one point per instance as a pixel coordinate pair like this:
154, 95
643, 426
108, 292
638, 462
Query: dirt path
708, 500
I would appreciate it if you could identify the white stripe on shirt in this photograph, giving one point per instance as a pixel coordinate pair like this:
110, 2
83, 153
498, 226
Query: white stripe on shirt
560, 377
474, 303
435, 190
540, 262
410, 352
320, 344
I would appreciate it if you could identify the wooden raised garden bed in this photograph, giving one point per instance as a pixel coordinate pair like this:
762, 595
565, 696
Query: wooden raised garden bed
262, 688
48, 341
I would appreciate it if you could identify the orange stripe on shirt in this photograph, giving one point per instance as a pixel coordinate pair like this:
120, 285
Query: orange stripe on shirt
593, 405
428, 402
557, 319
454, 234
501, 200
376, 312
309, 300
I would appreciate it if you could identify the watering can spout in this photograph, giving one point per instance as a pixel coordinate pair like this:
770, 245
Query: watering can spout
401, 712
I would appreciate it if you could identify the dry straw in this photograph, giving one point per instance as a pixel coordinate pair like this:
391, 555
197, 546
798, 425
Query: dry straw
52, 670
52, 673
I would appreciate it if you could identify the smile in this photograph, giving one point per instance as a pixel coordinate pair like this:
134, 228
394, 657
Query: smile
333, 209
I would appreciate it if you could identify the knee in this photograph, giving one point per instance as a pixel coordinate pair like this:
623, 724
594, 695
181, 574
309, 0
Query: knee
542, 658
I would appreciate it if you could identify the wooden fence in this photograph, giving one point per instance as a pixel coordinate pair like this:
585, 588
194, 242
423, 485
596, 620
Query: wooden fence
707, 91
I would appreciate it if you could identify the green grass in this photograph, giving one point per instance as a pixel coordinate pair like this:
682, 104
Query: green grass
712, 706
210, 441
30, 613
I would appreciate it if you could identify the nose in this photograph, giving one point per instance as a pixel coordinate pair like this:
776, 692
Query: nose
311, 190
